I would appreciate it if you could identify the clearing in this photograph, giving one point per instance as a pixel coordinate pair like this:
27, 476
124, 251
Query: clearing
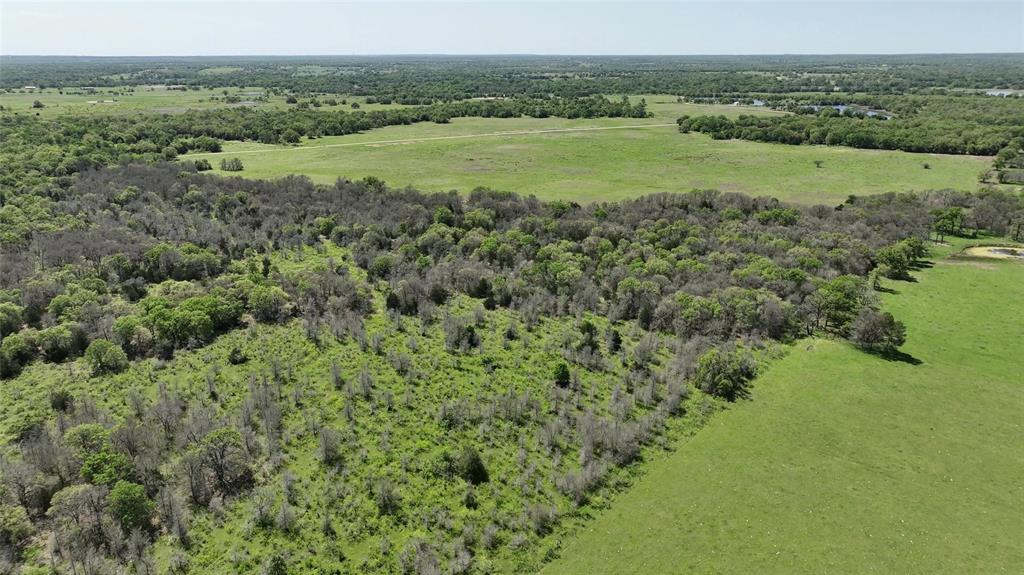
556, 158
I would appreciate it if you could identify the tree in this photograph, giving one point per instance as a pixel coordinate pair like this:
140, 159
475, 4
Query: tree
877, 332
947, 222
470, 466
224, 455
37, 104
15, 528
130, 506
562, 375
895, 260
836, 302
268, 303
10, 318
104, 356
724, 374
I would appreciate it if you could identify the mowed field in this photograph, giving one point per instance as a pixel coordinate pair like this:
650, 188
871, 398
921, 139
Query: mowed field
583, 160
848, 463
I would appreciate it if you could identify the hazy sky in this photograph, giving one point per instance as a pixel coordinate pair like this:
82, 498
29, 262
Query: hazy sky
528, 27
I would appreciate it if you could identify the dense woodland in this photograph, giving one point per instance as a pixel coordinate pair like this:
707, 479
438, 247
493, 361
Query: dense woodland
593, 328
422, 79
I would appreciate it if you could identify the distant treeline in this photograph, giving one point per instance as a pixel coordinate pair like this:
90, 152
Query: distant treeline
935, 124
411, 79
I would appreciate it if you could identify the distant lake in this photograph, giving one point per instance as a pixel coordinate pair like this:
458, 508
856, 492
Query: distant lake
841, 108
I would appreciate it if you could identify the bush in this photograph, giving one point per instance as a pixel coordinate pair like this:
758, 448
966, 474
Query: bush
104, 356
232, 165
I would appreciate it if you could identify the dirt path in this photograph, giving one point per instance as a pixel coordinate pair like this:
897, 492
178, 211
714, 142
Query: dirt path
456, 137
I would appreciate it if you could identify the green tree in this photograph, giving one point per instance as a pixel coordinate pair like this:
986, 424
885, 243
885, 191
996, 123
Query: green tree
877, 331
471, 467
10, 318
895, 260
268, 303
130, 506
104, 356
724, 374
562, 375
837, 302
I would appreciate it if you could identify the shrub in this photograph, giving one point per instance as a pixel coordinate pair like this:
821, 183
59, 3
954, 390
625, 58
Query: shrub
104, 356
232, 165
15, 527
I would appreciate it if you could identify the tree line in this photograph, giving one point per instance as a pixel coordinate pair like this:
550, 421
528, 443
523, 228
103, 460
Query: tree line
933, 124
419, 78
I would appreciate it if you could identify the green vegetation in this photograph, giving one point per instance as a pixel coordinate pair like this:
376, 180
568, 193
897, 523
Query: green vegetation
324, 372
600, 165
977, 125
420, 79
849, 463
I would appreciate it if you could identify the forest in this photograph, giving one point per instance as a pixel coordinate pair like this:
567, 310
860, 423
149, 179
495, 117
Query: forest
629, 313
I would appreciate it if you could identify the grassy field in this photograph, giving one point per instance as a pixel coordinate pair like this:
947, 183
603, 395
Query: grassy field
848, 463
605, 164
151, 99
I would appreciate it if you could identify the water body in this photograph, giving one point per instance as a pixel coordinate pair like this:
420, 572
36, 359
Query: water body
842, 108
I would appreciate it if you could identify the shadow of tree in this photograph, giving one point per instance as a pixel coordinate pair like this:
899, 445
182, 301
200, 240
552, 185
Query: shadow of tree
897, 355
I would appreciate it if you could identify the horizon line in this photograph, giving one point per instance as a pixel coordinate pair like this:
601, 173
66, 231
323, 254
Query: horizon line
493, 54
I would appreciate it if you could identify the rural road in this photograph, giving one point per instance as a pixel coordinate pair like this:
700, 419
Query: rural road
456, 137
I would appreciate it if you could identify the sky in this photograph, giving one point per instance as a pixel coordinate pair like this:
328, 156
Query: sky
188, 28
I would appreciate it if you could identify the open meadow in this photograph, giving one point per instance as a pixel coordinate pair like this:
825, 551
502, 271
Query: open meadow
850, 463
602, 159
